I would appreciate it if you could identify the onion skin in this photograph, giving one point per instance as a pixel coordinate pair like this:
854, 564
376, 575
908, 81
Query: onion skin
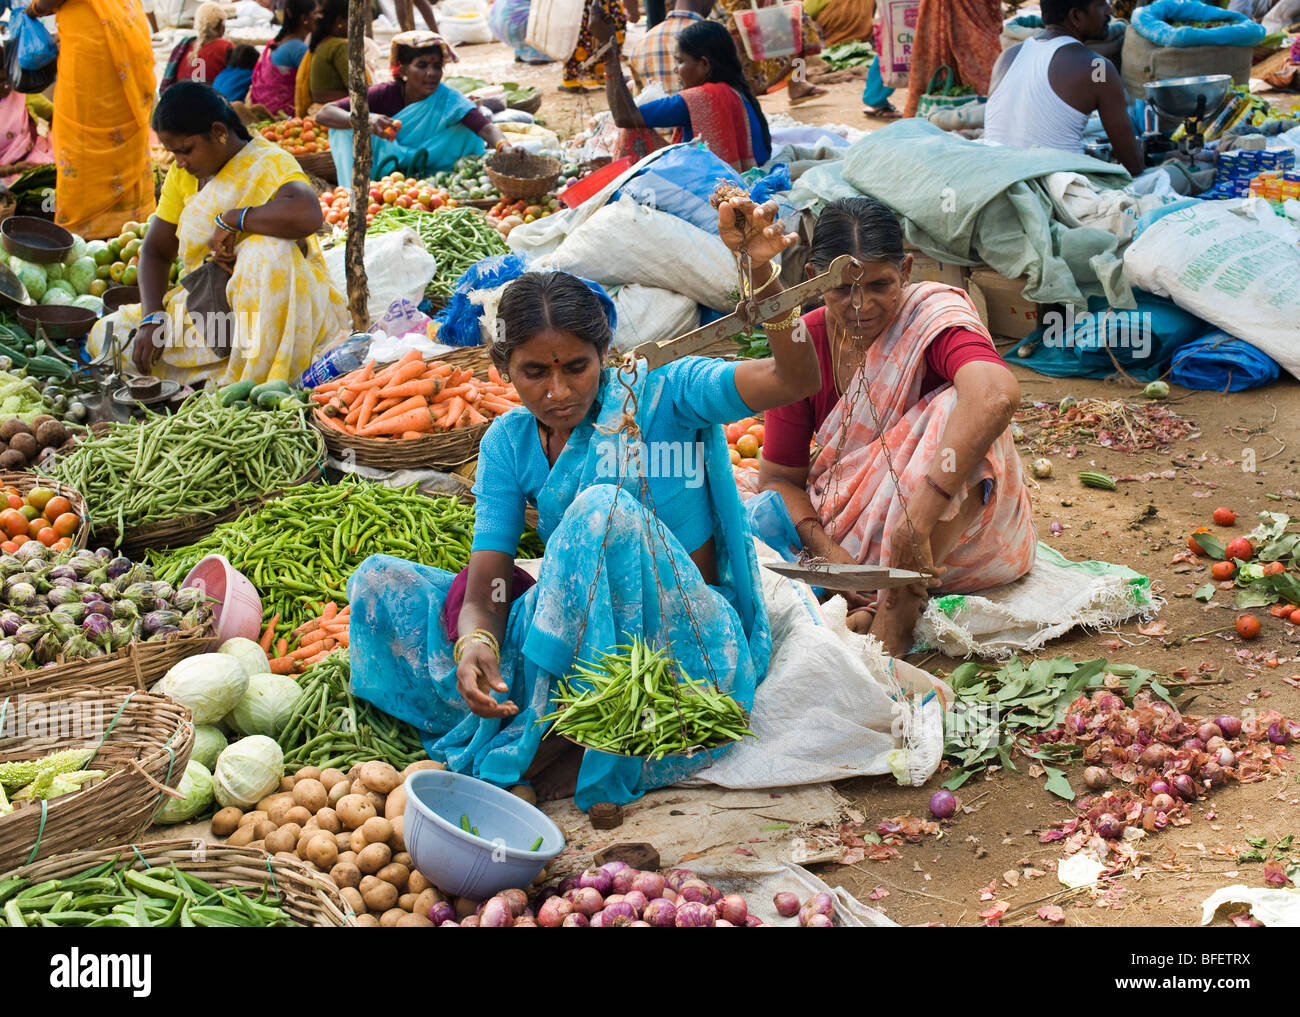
1108, 826
469, 922
517, 899
601, 882
638, 900
820, 922
677, 877
694, 914
649, 883
1229, 725
496, 914
942, 804
442, 912
586, 900
553, 912
660, 913
1149, 819
621, 881
575, 921
733, 909
786, 904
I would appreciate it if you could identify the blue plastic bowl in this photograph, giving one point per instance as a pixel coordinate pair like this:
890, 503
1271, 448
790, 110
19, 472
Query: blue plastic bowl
460, 863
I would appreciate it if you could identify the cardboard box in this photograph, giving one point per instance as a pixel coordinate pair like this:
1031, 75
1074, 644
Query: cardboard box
1001, 303
927, 269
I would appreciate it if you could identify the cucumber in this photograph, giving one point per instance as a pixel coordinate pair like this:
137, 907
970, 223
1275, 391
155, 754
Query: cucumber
268, 386
231, 394
242, 404
17, 356
269, 400
1091, 478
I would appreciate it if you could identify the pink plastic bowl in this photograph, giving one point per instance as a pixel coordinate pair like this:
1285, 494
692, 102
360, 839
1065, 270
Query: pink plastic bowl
235, 604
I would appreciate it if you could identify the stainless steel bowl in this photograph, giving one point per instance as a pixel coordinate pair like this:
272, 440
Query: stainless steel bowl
1178, 97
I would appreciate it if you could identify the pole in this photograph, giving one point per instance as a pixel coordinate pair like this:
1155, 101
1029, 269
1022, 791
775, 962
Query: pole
354, 257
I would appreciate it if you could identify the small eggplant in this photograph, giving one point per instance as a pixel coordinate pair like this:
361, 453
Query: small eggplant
9, 622
124, 610
29, 633
119, 566
20, 594
188, 599
164, 632
103, 554
96, 625
73, 610
61, 595
62, 572
101, 607
156, 620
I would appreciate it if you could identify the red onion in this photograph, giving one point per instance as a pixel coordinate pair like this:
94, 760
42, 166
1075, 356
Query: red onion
496, 914
525, 922
597, 880
1208, 730
1096, 777
786, 903
753, 921
677, 877
638, 900
618, 922
1107, 703
614, 866
942, 804
566, 884
517, 899
1215, 745
1162, 802
553, 912
1108, 826
660, 913
649, 883
1159, 787
1229, 725
639, 925
1226, 757
1212, 773
733, 908
545, 894
722, 923
669, 895
575, 921
1278, 735
820, 904
586, 900
697, 890
694, 914
442, 912
614, 898
1143, 738
598, 921
623, 879
449, 925
469, 922
619, 907
820, 922
1194, 743
1154, 755
1184, 787
1161, 820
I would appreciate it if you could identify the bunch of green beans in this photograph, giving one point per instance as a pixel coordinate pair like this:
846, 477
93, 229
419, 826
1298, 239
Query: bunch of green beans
300, 549
104, 896
638, 702
456, 237
330, 728
200, 460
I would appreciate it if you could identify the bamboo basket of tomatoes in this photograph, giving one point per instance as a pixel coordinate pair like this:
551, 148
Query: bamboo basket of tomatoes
40, 508
305, 140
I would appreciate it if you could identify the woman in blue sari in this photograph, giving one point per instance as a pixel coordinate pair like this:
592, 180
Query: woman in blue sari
475, 676
420, 125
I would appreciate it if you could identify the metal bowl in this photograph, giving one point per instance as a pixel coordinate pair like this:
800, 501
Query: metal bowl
117, 297
35, 240
1178, 97
12, 291
57, 321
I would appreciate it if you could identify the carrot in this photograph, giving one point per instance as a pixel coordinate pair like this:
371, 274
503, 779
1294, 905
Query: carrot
305, 627
405, 406
332, 422
440, 369
303, 652
317, 658
495, 404
475, 417
368, 371
427, 387
450, 393
494, 375
419, 419
321, 400
330, 610
283, 665
281, 648
409, 435
367, 407
456, 407
312, 638
269, 634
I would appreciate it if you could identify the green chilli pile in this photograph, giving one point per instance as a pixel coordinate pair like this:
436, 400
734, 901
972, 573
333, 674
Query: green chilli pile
457, 237
200, 460
638, 702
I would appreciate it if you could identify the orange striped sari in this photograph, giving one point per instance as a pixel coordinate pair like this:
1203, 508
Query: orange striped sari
850, 485
102, 100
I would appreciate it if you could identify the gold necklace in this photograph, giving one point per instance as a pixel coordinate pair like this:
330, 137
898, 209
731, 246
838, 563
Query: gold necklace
836, 347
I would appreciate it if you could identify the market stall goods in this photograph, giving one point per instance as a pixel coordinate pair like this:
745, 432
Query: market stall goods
312, 641
40, 509
507, 215
458, 238
392, 191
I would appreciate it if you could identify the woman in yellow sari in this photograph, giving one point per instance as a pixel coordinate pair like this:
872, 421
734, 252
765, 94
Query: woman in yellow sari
102, 97
247, 205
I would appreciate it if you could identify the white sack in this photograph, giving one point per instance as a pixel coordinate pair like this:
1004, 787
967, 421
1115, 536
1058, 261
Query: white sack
554, 27
650, 315
397, 267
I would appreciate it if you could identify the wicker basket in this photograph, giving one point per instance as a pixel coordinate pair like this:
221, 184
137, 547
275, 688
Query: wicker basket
529, 105
140, 664
318, 164
143, 740
520, 174
306, 896
24, 482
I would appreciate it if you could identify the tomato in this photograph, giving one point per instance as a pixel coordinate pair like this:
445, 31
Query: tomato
748, 464
403, 201
16, 501
372, 208
332, 217
66, 524
47, 536
13, 522
756, 431
1223, 570
1224, 516
1293, 618
390, 196
735, 457
747, 446
1247, 626
1273, 568
1239, 547
309, 135
1191, 541
733, 431
437, 201
9, 546
56, 506
1282, 610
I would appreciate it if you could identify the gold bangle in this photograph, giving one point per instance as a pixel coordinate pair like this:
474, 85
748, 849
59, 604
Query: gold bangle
482, 636
783, 324
744, 283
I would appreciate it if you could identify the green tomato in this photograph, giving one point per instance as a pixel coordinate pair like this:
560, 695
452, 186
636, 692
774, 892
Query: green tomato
129, 275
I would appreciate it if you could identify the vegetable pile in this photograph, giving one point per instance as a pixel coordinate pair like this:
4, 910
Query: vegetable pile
745, 443
466, 181
39, 514
1105, 423
458, 238
348, 825
392, 191
199, 461
506, 215
20, 400
411, 399
639, 702
296, 135
1260, 566
60, 607
162, 898
34, 780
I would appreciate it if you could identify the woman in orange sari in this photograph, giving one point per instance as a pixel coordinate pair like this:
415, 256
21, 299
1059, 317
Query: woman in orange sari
102, 98
962, 34
917, 468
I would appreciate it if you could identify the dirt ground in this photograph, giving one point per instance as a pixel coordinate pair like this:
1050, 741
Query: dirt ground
1142, 525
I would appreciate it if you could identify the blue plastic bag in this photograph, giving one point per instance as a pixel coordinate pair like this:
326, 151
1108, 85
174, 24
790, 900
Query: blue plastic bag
35, 46
508, 20
680, 182
1219, 363
1153, 23
776, 180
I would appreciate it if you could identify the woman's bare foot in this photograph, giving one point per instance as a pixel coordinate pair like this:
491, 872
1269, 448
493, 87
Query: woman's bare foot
896, 618
804, 91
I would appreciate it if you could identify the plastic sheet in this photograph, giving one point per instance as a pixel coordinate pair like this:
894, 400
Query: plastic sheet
1217, 362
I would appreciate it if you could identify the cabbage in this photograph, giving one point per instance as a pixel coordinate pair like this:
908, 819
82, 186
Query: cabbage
54, 271
81, 273
31, 276
208, 743
210, 684
88, 303
248, 653
196, 786
266, 706
58, 293
78, 249
248, 771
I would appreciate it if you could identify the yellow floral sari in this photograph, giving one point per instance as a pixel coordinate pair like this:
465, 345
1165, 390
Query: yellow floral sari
284, 309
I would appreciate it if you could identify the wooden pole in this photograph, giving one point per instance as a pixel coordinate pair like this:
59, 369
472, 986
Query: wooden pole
354, 257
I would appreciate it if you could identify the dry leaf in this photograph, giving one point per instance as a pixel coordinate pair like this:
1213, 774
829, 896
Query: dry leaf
1051, 913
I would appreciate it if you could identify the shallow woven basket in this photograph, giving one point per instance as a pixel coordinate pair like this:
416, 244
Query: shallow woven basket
529, 105
306, 896
437, 451
318, 164
24, 482
186, 530
143, 740
139, 665
520, 174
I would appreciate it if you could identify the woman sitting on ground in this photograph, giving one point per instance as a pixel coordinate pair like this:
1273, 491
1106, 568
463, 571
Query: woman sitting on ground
917, 355
202, 56
421, 126
274, 76
715, 104
232, 83
475, 671
246, 204
20, 141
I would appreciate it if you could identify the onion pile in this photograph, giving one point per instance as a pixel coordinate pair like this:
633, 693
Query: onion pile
615, 895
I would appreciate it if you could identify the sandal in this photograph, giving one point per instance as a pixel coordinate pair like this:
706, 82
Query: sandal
818, 92
885, 112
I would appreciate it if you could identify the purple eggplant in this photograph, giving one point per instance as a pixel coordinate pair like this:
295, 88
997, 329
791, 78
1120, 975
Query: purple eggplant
119, 566
9, 622
103, 554
60, 595
20, 594
163, 632
63, 572
96, 625
156, 620
29, 633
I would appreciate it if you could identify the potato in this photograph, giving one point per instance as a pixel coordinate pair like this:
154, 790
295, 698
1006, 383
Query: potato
390, 918
226, 822
260, 845
263, 827
348, 855
337, 792
283, 839
416, 883
377, 830
307, 773
330, 777
352, 773
357, 841
407, 901
346, 874
373, 858
395, 874
367, 921
423, 764
414, 921
278, 809
424, 901
311, 824
380, 776
397, 842
242, 837
310, 794
352, 896
378, 895
286, 783
277, 796
297, 814
344, 841
395, 803
402, 858
322, 851
303, 839
328, 819
252, 817
378, 801
354, 810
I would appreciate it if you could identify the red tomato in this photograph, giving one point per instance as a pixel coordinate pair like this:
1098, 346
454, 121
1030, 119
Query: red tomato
1239, 547
1224, 516
1273, 568
1247, 626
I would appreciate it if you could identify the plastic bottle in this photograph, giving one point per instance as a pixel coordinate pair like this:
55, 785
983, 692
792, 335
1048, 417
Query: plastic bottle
341, 360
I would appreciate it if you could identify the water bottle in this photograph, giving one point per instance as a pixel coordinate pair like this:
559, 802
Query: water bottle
341, 360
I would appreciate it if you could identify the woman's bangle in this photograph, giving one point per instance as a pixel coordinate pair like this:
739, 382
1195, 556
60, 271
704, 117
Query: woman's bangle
242, 213
221, 224
156, 318
744, 283
946, 495
482, 636
784, 324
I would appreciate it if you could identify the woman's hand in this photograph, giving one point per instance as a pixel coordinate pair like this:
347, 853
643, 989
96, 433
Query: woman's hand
147, 348
754, 229
384, 127
917, 555
223, 247
477, 677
